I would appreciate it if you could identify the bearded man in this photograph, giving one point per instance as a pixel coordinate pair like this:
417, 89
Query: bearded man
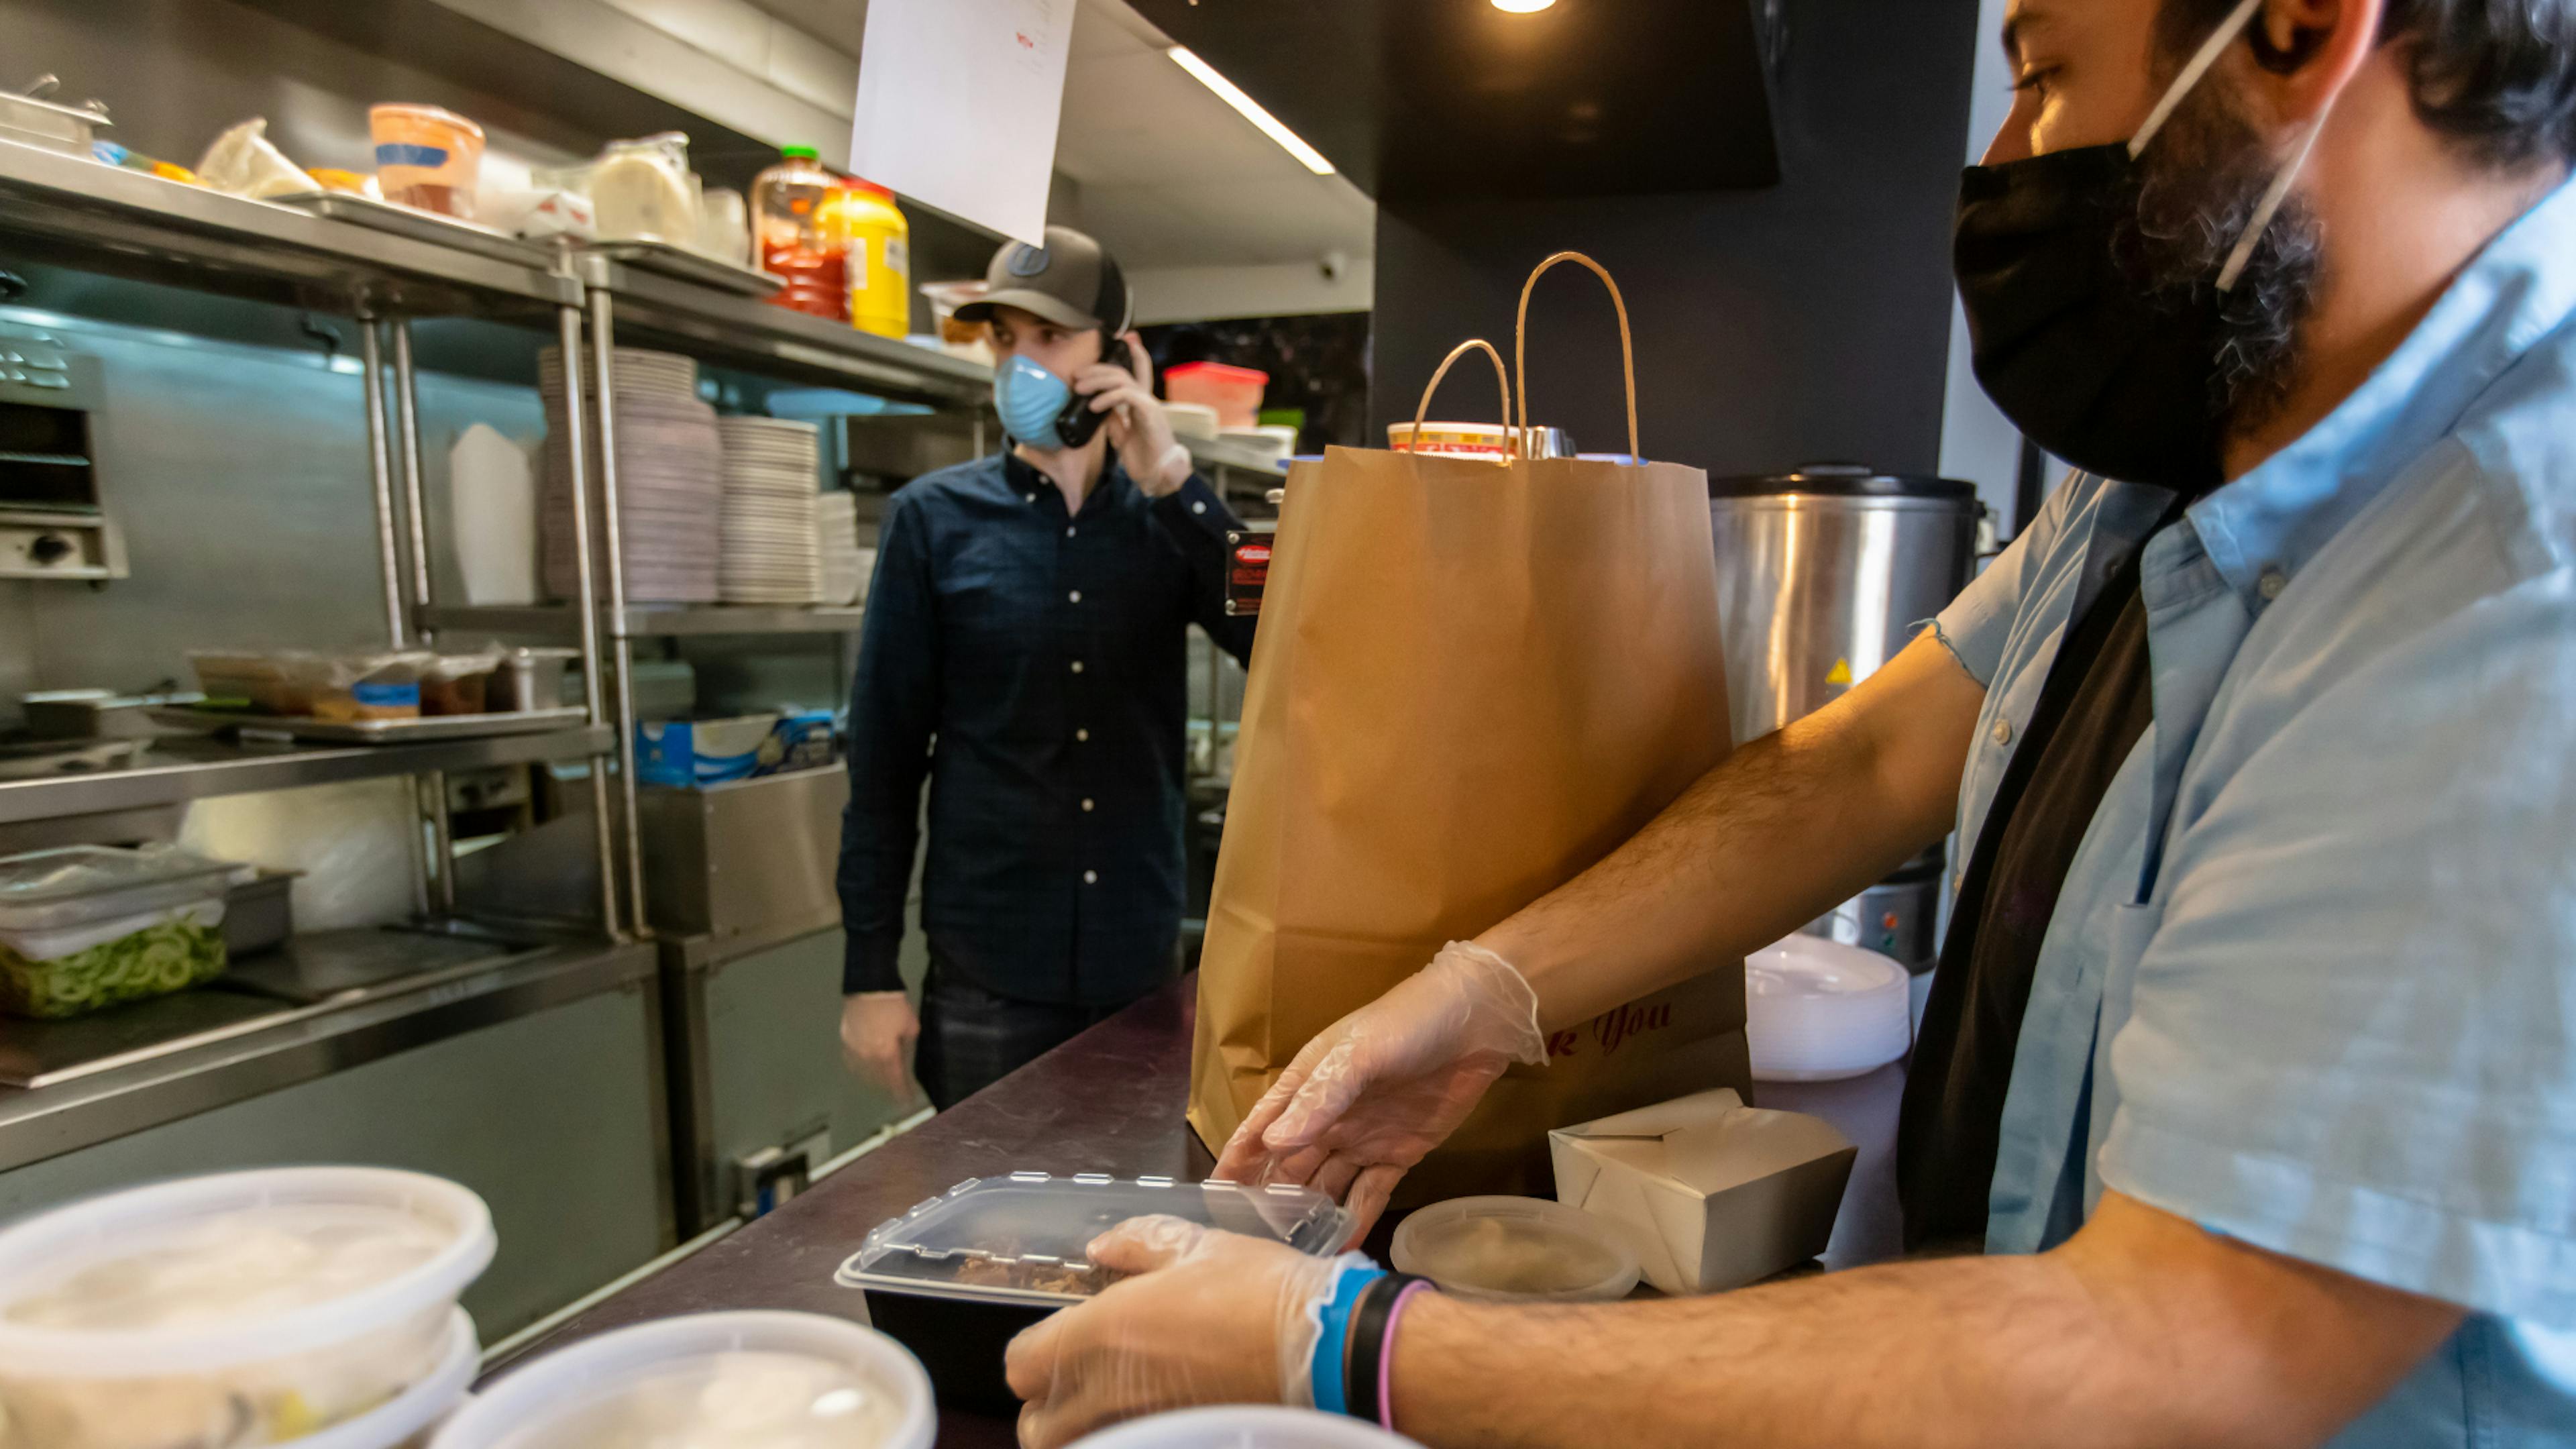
2249, 1074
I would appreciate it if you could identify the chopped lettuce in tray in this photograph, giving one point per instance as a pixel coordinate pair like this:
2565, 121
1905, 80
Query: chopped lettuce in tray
155, 961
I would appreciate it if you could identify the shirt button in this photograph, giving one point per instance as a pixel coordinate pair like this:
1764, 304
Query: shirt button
2002, 734
1082, 734
1074, 597
1068, 533
1086, 802
1032, 498
1091, 877
1077, 666
1198, 508
2271, 583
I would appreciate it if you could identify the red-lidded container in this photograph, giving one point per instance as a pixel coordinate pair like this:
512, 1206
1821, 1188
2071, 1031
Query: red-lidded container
1235, 392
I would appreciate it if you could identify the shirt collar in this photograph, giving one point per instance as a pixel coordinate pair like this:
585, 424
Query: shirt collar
1024, 479
2518, 290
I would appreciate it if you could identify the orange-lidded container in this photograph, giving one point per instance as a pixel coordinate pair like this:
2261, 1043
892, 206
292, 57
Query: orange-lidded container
427, 157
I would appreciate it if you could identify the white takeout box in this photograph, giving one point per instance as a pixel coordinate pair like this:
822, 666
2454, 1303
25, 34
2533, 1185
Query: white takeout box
1716, 1194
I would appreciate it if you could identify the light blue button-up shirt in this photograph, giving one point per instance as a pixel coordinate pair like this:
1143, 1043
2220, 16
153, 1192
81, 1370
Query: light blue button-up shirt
2312, 979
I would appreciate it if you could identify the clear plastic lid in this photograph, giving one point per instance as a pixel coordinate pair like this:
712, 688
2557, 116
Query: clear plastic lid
1517, 1249
46, 890
1025, 1238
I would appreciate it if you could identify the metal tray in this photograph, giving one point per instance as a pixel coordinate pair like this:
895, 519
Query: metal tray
383, 731
686, 265
428, 226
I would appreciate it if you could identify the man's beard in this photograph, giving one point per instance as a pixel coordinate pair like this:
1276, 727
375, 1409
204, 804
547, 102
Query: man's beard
2201, 179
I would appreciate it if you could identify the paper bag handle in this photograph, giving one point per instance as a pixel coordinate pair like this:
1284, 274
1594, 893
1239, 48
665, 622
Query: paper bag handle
1520, 349
1502, 388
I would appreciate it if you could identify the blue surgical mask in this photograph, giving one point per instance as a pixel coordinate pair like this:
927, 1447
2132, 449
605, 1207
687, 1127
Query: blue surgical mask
1030, 399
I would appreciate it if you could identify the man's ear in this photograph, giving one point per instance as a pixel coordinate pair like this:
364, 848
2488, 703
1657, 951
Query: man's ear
2309, 50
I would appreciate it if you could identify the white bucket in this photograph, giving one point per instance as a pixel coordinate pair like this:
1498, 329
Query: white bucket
530, 1405
1245, 1426
243, 1308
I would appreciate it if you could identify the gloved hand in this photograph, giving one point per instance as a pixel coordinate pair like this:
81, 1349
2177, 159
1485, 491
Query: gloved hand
878, 1029
1384, 1085
1215, 1318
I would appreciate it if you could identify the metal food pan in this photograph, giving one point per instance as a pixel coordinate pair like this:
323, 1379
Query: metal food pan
686, 265
386, 731
420, 225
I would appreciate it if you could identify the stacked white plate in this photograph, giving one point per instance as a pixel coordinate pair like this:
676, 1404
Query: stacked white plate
770, 553
670, 491
846, 566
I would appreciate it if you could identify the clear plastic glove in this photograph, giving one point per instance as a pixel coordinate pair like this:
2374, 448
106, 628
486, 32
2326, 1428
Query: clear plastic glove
1375, 1091
1213, 1318
878, 1029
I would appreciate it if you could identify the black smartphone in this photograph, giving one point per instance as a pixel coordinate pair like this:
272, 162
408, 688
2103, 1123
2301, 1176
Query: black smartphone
1077, 423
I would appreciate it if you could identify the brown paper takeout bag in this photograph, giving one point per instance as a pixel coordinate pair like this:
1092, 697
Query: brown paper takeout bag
1473, 680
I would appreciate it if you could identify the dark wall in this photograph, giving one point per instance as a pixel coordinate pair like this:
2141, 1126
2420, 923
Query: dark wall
1805, 322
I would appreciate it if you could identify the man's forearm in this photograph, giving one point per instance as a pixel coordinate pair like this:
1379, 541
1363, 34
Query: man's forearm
1777, 834
2171, 1336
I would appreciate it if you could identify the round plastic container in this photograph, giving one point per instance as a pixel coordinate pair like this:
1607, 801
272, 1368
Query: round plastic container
1820, 1011
427, 157
779, 1379
876, 250
1245, 1426
790, 207
402, 1419
241, 1309
1517, 1250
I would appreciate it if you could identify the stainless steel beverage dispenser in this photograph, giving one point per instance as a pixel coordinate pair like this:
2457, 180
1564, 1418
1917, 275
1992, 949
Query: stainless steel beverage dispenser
1823, 575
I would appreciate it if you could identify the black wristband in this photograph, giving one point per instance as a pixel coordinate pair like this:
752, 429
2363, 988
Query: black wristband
1367, 1341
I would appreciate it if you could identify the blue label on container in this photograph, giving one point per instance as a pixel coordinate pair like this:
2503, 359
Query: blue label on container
406, 153
387, 696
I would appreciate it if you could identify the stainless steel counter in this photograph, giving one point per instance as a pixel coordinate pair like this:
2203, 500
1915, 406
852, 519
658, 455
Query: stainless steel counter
156, 1062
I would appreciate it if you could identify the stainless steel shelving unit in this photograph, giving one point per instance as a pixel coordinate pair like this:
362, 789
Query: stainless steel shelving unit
201, 768
680, 622
79, 214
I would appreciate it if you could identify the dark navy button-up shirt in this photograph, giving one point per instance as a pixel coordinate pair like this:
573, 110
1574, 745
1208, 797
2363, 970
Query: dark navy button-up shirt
1033, 665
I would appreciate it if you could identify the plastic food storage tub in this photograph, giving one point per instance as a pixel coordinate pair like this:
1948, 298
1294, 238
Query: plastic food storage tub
427, 157
1235, 392
1245, 1426
242, 1309
958, 1276
1821, 1011
710, 1378
1517, 1250
89, 926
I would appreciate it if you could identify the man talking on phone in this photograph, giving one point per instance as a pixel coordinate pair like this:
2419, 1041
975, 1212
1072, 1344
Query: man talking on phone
1025, 652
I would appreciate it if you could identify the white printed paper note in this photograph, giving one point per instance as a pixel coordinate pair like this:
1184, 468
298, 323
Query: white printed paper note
958, 104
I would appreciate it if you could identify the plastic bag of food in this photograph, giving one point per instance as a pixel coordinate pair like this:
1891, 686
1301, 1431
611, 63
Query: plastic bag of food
244, 162
381, 685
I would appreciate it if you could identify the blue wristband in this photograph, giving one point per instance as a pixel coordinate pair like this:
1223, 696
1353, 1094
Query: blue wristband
1331, 1394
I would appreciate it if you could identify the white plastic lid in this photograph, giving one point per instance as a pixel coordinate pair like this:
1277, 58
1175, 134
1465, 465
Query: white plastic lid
775, 1380
1245, 1426
46, 890
1819, 1011
244, 1267
1517, 1250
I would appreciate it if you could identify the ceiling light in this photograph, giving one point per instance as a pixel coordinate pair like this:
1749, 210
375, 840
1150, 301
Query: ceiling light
1523, 7
1233, 95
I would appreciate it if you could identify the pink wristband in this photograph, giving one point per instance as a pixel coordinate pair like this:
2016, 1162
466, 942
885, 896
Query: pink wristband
1386, 1355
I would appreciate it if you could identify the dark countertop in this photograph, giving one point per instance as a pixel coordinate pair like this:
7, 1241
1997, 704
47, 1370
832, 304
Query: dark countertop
1108, 1101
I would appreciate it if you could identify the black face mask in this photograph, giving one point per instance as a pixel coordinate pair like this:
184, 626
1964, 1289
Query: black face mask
2082, 358
2115, 376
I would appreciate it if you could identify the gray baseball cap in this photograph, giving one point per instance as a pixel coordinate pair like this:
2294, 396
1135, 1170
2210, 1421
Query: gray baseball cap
1072, 281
